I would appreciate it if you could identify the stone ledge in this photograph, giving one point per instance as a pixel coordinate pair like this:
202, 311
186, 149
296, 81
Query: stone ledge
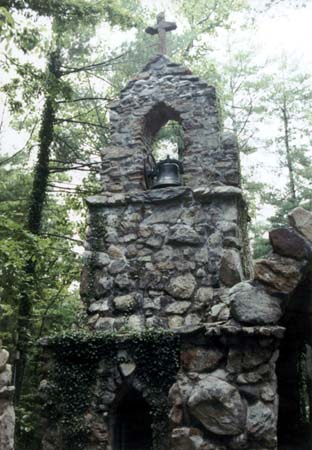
160, 195
206, 193
205, 332
106, 200
236, 330
203, 194
226, 329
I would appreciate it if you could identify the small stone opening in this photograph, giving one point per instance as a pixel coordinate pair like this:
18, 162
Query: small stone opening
132, 425
294, 373
163, 132
169, 141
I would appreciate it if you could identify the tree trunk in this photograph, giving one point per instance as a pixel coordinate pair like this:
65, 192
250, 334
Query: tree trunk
289, 161
33, 225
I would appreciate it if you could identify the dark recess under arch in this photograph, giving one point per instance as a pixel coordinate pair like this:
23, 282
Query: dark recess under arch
157, 117
132, 425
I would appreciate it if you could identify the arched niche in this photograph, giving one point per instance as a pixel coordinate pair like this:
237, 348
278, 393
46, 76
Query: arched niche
294, 372
169, 141
163, 118
131, 422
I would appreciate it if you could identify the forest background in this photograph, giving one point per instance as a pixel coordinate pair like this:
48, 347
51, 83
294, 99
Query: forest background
61, 63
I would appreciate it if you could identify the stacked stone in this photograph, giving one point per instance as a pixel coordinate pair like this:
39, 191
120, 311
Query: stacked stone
7, 415
224, 397
167, 91
276, 277
225, 394
174, 259
164, 258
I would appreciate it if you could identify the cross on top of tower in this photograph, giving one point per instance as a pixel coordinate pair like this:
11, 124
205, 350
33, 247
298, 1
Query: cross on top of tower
161, 28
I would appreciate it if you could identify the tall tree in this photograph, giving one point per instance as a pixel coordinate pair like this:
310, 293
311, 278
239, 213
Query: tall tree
288, 101
65, 44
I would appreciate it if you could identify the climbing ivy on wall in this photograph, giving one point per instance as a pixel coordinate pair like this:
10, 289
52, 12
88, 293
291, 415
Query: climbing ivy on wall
72, 377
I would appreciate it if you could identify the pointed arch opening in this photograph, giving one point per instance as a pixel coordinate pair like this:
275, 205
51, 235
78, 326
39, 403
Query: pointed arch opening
132, 424
164, 133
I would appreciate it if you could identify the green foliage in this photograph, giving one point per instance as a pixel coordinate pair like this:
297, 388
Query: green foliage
261, 244
75, 12
72, 376
6, 18
76, 82
287, 101
169, 141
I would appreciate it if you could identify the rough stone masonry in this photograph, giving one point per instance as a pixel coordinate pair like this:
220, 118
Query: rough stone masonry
7, 415
176, 259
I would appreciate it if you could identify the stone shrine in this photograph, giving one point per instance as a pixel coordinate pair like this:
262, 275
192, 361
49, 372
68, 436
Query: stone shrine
182, 347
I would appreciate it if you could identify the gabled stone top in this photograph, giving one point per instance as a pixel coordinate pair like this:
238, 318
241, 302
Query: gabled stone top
164, 91
161, 66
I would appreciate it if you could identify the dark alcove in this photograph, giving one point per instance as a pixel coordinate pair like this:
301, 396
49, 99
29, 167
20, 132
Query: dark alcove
132, 427
294, 372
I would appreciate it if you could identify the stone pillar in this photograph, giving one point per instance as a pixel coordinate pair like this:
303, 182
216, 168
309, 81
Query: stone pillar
7, 414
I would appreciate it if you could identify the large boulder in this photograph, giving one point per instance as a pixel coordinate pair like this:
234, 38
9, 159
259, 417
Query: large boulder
286, 242
301, 219
251, 304
280, 273
218, 406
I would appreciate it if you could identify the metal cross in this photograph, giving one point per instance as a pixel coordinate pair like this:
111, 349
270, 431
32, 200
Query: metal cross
161, 28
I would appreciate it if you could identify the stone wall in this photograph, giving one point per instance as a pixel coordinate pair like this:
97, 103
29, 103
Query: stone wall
164, 257
225, 393
175, 260
168, 91
224, 396
7, 415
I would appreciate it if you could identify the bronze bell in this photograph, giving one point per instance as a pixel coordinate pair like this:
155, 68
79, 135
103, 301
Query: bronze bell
167, 173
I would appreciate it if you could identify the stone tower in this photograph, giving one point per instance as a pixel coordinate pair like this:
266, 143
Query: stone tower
165, 256
181, 350
166, 259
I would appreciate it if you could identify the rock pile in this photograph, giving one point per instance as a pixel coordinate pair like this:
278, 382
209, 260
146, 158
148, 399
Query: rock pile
277, 276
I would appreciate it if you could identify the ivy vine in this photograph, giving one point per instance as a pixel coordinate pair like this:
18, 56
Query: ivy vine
76, 356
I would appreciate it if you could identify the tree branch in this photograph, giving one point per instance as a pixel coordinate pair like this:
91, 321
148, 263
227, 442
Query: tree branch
85, 99
81, 122
61, 236
93, 66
